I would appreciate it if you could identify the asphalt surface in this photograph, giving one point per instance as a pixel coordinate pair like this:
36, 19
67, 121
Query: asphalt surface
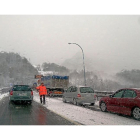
25, 114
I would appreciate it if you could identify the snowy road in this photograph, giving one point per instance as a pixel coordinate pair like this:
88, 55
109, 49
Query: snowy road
73, 114
84, 115
24, 114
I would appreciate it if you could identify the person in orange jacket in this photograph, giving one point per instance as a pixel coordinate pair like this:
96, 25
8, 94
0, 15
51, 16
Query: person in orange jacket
42, 92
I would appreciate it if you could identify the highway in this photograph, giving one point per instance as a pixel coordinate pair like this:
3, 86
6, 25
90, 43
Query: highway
55, 112
24, 114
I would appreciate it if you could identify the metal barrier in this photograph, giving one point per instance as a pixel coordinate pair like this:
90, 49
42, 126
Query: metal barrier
100, 94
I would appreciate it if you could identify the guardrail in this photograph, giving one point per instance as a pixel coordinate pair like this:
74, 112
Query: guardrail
100, 94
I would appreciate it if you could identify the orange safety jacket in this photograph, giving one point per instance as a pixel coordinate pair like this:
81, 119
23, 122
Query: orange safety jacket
42, 90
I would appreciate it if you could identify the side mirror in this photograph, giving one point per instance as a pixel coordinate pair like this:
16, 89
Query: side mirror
110, 96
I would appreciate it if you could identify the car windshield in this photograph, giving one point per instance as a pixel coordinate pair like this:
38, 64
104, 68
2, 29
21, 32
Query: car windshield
86, 90
21, 88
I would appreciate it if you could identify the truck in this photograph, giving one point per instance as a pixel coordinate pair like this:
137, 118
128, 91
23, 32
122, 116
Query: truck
55, 84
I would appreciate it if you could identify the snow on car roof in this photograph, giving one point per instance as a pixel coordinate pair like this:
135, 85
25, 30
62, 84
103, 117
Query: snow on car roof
83, 86
136, 89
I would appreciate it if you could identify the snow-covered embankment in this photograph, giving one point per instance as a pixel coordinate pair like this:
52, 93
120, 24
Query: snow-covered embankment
84, 115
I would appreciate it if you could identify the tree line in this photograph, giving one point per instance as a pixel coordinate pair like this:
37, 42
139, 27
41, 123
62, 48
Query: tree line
122, 79
16, 69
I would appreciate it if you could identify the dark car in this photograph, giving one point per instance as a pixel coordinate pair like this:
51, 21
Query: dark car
21, 93
124, 101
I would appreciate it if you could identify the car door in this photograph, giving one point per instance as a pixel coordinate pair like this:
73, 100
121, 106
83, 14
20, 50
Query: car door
127, 102
87, 94
113, 104
67, 94
73, 93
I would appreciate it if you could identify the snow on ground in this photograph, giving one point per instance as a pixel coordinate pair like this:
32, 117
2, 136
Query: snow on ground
3, 95
45, 73
84, 115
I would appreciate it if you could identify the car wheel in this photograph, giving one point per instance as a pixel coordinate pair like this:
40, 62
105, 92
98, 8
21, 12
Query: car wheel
51, 95
92, 104
136, 113
64, 100
103, 107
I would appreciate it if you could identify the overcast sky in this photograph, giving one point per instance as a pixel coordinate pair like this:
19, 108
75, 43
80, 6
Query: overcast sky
114, 39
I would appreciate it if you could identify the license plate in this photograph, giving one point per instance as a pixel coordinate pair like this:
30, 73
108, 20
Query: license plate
88, 95
22, 94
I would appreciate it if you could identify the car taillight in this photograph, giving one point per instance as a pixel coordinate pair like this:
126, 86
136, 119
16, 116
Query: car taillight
11, 93
31, 92
78, 95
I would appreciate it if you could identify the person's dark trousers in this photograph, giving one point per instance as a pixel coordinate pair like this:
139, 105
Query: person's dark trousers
43, 99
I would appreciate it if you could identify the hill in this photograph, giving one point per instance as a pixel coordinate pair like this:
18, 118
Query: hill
15, 69
53, 68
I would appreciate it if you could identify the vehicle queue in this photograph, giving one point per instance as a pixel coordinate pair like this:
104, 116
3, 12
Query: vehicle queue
124, 101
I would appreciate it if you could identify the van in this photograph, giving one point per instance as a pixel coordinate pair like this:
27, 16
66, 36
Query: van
81, 95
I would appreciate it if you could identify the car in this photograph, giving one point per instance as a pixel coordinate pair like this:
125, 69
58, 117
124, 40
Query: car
22, 93
124, 101
79, 95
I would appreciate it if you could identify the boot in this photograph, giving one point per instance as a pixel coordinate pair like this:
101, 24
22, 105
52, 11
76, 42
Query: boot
41, 100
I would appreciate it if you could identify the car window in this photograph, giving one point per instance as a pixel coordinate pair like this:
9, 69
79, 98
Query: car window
134, 94
74, 89
21, 88
129, 94
118, 94
69, 89
86, 90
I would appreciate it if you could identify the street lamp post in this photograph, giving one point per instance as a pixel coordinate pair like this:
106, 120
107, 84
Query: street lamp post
83, 61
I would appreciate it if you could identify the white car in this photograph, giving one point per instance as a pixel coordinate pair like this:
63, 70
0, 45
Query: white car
79, 95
